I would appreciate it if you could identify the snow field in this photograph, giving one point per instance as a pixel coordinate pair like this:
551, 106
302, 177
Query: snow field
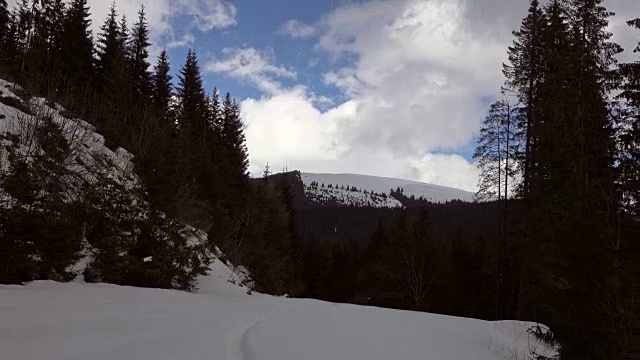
47, 320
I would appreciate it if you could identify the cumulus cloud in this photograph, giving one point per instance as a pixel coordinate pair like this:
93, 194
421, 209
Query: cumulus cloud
206, 14
187, 40
209, 14
414, 87
446, 169
418, 75
297, 29
288, 127
253, 66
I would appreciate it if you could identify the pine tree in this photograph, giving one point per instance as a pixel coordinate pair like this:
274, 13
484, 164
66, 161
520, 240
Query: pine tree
138, 58
43, 56
194, 130
193, 104
572, 187
162, 87
496, 152
111, 63
24, 29
215, 112
158, 165
629, 156
234, 145
77, 44
124, 37
523, 75
4, 25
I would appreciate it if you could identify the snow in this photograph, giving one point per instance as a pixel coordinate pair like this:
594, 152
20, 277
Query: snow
88, 150
434, 193
348, 197
47, 320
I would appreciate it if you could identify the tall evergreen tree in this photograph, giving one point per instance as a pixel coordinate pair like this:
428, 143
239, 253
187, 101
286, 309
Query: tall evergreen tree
629, 164
629, 156
191, 94
111, 62
138, 58
194, 129
234, 146
4, 24
24, 31
572, 188
123, 36
159, 166
77, 44
162, 87
523, 75
43, 56
496, 152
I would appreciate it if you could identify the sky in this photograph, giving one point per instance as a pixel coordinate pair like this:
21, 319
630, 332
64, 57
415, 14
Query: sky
392, 88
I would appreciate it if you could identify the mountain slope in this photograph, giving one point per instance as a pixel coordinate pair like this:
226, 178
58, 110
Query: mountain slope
47, 320
83, 161
379, 185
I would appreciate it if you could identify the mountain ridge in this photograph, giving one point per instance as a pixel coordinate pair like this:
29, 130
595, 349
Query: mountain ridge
380, 189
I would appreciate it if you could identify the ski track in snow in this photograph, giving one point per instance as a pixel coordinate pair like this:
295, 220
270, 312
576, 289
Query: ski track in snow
237, 343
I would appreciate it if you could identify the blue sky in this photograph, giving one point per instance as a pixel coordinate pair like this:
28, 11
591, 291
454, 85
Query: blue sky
380, 87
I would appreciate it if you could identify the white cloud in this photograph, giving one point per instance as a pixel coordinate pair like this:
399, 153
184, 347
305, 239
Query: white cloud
253, 66
161, 14
187, 40
297, 29
419, 76
414, 87
446, 169
209, 14
288, 127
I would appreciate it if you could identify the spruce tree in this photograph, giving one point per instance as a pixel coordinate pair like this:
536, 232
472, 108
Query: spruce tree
193, 129
496, 152
43, 56
4, 24
215, 112
162, 87
116, 117
77, 44
138, 58
523, 73
234, 145
158, 167
123, 36
628, 157
24, 29
109, 48
573, 183
629, 134
193, 104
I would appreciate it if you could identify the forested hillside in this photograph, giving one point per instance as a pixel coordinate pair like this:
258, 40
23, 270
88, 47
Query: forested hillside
65, 194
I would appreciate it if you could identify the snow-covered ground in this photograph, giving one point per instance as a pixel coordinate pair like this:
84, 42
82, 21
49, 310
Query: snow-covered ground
47, 320
434, 193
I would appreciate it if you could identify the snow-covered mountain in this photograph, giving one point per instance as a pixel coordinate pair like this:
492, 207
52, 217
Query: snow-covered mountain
365, 190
